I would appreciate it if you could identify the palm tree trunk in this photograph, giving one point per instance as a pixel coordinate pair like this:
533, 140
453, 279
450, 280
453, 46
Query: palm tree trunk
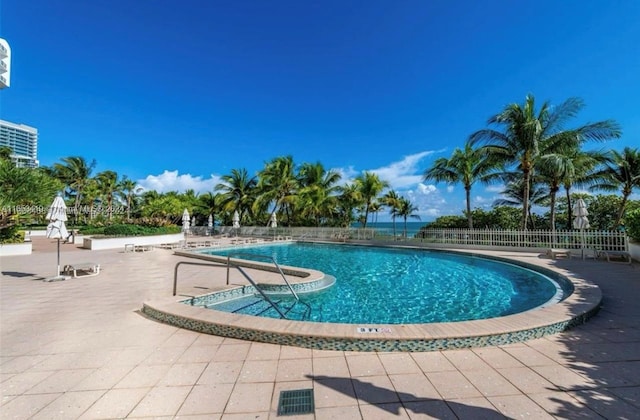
469, 215
525, 199
567, 189
625, 197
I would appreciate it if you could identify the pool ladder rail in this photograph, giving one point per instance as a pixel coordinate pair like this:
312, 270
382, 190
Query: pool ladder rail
230, 263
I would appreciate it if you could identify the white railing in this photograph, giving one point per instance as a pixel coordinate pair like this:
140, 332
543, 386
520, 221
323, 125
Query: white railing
566, 239
480, 238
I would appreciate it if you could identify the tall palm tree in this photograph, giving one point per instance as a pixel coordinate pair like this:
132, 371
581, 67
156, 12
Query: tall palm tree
75, 172
238, 190
349, 199
278, 186
109, 188
527, 134
317, 190
514, 196
467, 166
370, 186
620, 172
392, 200
130, 190
407, 209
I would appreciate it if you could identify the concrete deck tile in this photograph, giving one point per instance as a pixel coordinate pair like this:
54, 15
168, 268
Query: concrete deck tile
334, 392
452, 385
466, 360
195, 354
519, 406
69, 405
161, 401
395, 363
474, 408
330, 366
22, 382
25, 406
364, 364
104, 378
143, 376
250, 398
490, 383
606, 404
563, 378
60, 381
294, 370
332, 413
497, 357
254, 371
183, 374
221, 373
375, 390
526, 380
433, 361
206, 400
383, 411
563, 405
413, 387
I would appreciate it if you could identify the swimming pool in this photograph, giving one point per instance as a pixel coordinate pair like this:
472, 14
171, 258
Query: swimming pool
398, 286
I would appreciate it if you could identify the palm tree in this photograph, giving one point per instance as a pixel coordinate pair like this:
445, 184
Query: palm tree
514, 195
317, 190
75, 172
407, 209
278, 186
370, 186
130, 191
527, 134
349, 199
109, 188
467, 166
237, 192
621, 171
392, 200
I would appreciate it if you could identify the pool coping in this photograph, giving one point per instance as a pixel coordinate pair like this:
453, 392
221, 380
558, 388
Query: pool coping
576, 309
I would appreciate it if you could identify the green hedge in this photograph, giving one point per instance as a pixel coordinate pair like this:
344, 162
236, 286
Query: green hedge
632, 224
130, 230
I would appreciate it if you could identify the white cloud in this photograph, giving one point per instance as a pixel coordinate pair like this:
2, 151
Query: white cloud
346, 174
450, 188
172, 181
404, 173
495, 188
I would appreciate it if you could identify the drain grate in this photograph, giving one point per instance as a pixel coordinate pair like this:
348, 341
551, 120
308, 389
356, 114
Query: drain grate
297, 401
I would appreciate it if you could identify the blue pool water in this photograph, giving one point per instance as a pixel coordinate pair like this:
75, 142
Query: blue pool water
395, 286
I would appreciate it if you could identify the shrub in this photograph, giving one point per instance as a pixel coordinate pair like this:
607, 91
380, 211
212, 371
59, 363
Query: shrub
632, 224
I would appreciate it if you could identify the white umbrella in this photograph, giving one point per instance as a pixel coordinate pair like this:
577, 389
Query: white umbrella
185, 221
57, 215
236, 221
193, 221
274, 224
210, 223
580, 220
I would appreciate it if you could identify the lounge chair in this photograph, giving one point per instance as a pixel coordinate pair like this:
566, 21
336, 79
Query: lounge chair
622, 256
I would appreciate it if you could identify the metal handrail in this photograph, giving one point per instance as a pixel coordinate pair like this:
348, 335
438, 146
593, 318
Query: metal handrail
253, 283
246, 254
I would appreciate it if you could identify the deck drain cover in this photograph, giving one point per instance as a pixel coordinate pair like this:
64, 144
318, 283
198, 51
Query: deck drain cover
297, 401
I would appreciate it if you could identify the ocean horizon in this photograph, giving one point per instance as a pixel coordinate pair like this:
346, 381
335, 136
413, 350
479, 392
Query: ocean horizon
387, 227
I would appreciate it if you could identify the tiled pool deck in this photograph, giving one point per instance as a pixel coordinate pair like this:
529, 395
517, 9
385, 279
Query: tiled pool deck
80, 348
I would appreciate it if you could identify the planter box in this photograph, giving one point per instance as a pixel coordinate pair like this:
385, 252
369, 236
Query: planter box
15, 249
113, 243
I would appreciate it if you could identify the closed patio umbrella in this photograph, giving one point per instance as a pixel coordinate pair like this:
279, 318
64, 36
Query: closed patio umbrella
185, 221
580, 220
236, 221
57, 215
274, 223
210, 224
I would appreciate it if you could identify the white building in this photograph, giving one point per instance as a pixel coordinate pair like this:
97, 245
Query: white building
5, 64
23, 141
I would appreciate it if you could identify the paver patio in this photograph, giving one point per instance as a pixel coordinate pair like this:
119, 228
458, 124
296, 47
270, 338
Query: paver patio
80, 348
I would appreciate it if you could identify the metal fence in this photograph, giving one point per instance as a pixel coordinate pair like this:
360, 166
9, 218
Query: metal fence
481, 238
566, 239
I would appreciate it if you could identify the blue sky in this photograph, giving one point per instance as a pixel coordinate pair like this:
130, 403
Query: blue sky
176, 93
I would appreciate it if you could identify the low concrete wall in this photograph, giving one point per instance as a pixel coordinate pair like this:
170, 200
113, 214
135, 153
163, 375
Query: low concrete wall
15, 249
634, 250
113, 243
